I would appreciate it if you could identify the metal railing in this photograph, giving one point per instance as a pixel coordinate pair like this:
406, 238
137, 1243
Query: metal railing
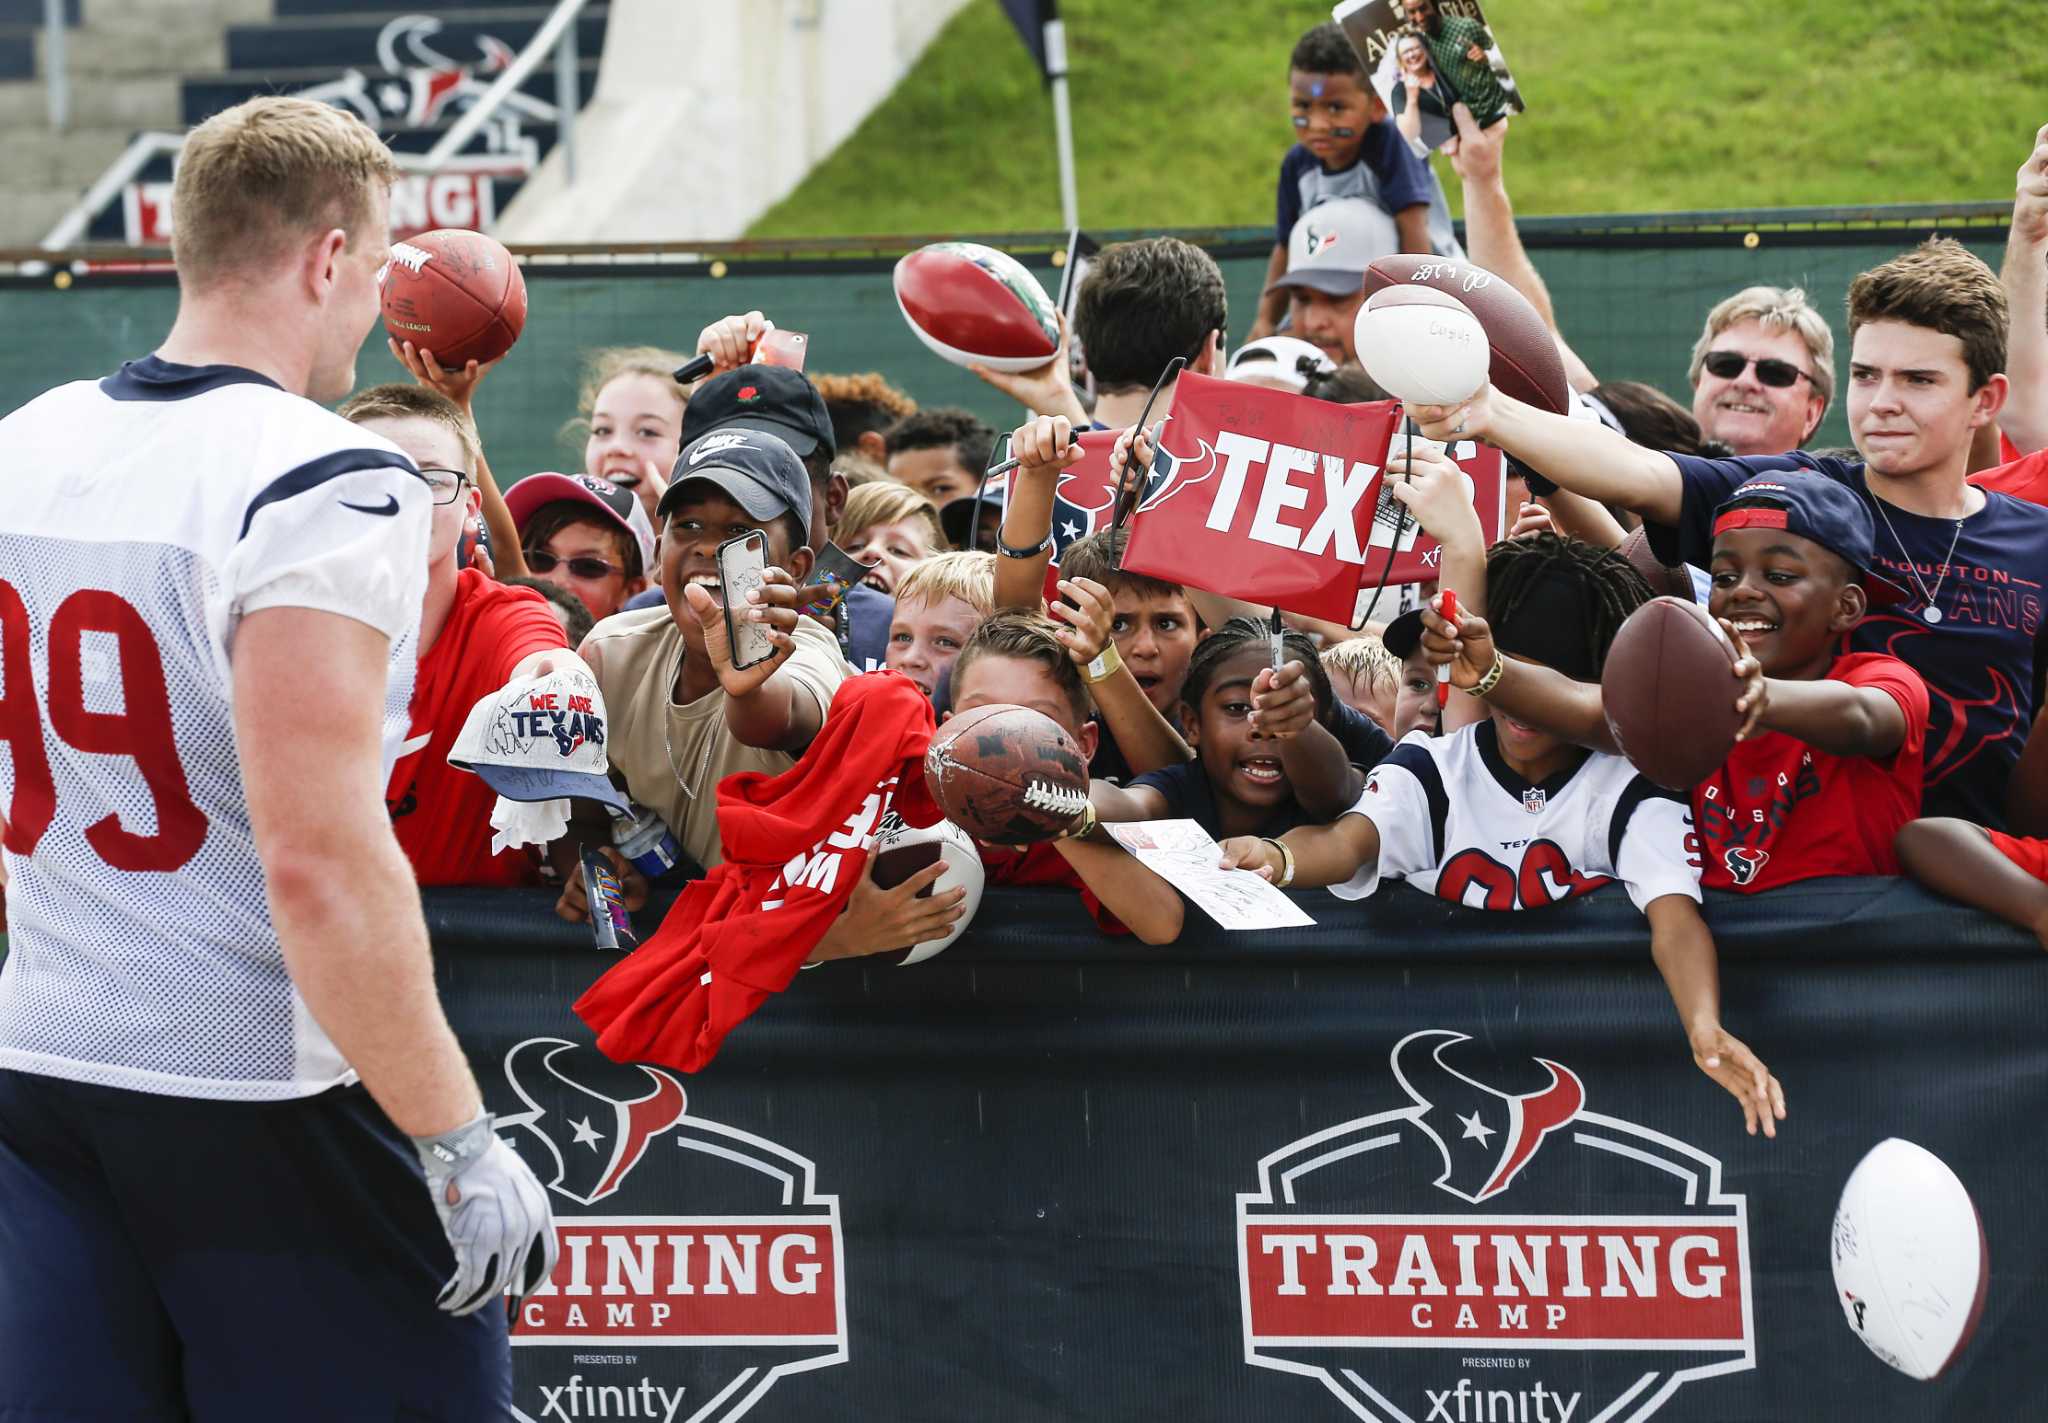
56, 60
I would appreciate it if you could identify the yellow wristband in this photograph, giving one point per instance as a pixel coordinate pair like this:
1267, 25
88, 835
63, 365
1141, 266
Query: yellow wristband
1286, 861
1105, 666
1491, 679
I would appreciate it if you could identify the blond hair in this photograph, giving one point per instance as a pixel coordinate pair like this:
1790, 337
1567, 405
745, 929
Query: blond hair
398, 401
606, 364
884, 501
1774, 309
1367, 662
858, 469
271, 170
968, 576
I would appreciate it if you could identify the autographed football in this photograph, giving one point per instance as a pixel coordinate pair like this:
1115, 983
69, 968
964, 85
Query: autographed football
974, 305
1006, 774
1909, 1258
1665, 580
902, 850
1421, 344
454, 292
1525, 361
1669, 692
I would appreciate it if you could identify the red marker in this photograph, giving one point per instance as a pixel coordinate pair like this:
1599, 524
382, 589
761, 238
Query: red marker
1447, 604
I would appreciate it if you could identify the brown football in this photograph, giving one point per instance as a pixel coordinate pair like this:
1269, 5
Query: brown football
456, 293
1669, 692
1006, 774
1665, 580
1526, 363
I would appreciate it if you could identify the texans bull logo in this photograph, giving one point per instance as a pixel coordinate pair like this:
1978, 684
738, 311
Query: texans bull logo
1464, 1116
595, 1117
1085, 498
1744, 864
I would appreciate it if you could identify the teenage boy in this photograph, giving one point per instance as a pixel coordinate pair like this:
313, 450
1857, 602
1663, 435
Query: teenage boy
1829, 767
683, 717
1928, 338
476, 635
938, 605
1503, 815
1346, 147
939, 452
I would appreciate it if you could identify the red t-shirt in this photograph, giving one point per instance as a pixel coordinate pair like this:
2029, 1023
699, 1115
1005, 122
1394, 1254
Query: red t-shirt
442, 816
1033, 866
2023, 477
1779, 811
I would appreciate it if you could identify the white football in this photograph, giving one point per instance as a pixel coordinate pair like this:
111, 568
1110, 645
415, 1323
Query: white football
902, 850
1421, 345
1909, 1258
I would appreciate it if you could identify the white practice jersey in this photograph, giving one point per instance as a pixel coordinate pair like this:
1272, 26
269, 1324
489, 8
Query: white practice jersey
141, 518
1456, 821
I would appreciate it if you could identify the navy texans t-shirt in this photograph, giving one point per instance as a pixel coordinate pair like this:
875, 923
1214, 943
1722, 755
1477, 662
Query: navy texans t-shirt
1978, 661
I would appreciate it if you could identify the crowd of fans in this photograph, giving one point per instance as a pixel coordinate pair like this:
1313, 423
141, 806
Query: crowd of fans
1886, 598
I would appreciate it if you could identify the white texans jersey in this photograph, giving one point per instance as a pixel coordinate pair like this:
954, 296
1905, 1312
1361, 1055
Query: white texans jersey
141, 518
1456, 821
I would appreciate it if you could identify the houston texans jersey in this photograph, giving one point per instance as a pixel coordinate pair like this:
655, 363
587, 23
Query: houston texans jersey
1454, 819
143, 517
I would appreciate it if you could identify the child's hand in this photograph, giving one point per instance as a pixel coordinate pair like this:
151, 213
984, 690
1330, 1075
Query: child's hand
1249, 852
1043, 390
1533, 519
730, 340
574, 904
459, 386
1755, 697
1437, 492
1468, 647
1087, 618
1726, 1059
1130, 459
876, 920
1283, 703
1043, 446
1470, 420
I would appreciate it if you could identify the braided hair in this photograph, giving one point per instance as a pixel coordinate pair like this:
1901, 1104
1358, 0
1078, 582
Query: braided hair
1518, 571
1234, 637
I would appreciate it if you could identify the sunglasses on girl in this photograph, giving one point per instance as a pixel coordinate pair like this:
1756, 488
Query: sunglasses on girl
539, 560
1727, 365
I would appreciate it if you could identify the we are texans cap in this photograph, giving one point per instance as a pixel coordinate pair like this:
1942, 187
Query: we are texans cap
757, 470
1333, 243
541, 738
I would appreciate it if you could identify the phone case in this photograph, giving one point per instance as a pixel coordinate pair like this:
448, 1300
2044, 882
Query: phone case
740, 563
781, 348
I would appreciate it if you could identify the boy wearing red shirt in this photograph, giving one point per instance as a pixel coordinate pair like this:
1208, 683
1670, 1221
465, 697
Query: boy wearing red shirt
475, 636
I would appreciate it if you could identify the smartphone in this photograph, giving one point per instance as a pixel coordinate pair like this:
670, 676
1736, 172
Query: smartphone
741, 562
781, 348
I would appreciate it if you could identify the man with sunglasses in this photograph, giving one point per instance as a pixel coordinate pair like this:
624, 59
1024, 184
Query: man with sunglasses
475, 636
1763, 371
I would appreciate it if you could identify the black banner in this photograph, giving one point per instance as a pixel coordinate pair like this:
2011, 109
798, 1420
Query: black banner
1031, 17
1052, 1176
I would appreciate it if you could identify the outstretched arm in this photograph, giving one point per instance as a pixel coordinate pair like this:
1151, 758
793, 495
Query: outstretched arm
1146, 904
1685, 956
1956, 858
1323, 854
2025, 275
1045, 445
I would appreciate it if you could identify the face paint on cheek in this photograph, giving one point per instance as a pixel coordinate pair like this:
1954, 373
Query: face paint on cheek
1345, 132
1301, 120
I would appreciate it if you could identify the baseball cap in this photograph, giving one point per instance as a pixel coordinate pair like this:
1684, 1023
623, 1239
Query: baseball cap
613, 501
1280, 357
1333, 244
755, 468
1404, 634
956, 515
540, 738
772, 399
1811, 506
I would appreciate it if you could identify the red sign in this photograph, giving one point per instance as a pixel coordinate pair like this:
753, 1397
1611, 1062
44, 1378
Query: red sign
464, 197
1279, 499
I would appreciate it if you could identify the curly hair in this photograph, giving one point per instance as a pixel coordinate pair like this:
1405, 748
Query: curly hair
1519, 572
1324, 50
860, 403
942, 427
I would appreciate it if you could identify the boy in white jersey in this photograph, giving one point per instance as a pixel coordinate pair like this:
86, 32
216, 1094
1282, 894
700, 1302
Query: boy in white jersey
1501, 815
218, 1021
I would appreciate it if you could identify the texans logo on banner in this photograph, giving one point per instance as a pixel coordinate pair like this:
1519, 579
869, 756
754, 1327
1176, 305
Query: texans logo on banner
650, 1313
1293, 509
1435, 1262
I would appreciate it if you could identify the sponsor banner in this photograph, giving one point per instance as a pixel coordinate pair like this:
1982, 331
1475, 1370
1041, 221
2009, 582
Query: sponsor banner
464, 196
1412, 1164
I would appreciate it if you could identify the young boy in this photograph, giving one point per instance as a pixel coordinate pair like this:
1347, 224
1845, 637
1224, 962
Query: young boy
940, 453
1366, 677
1831, 765
584, 534
1502, 815
1347, 147
1017, 658
1155, 632
938, 605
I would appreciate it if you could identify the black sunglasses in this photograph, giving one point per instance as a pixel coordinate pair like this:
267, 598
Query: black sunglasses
543, 562
1772, 372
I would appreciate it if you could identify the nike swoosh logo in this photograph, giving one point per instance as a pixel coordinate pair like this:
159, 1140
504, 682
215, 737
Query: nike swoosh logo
388, 508
417, 743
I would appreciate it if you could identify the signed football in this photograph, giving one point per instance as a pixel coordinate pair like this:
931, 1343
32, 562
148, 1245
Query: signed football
454, 292
974, 305
1909, 1258
1525, 361
1669, 692
1007, 774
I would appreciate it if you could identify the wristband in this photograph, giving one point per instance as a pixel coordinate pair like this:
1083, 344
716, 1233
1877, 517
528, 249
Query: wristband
1034, 551
1083, 826
1286, 861
1106, 665
1491, 679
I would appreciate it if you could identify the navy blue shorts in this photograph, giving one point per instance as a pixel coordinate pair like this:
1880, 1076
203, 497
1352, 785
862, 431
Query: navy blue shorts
165, 1258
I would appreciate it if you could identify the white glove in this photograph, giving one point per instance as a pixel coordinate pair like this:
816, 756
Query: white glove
495, 1212
527, 822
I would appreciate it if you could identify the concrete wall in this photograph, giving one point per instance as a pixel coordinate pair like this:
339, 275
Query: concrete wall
710, 111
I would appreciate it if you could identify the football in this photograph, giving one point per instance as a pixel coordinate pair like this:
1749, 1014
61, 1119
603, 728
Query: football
1421, 345
1524, 359
974, 305
1665, 580
902, 850
1669, 693
1909, 1258
454, 292
1006, 774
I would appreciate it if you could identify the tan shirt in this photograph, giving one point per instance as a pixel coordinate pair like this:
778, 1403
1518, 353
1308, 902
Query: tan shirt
676, 774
